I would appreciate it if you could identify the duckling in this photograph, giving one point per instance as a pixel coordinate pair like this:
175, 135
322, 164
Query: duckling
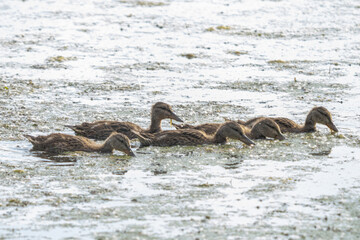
317, 115
263, 128
208, 128
58, 142
195, 137
100, 130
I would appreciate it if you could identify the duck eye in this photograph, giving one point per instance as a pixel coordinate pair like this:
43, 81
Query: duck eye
120, 140
236, 130
164, 108
322, 113
270, 126
325, 115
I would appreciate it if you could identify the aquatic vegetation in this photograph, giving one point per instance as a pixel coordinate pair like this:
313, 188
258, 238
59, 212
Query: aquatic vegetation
277, 62
60, 59
238, 53
296, 65
144, 3
110, 60
149, 3
189, 55
152, 66
220, 28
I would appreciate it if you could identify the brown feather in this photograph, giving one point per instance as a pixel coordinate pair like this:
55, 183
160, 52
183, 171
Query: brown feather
58, 143
261, 128
102, 129
317, 115
195, 137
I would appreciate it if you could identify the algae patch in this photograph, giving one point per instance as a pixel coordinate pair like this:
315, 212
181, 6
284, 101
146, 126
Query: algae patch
60, 59
189, 55
145, 3
219, 28
238, 53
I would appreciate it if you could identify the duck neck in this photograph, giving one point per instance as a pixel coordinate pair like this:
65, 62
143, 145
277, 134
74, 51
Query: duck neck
251, 133
219, 137
155, 125
105, 147
309, 125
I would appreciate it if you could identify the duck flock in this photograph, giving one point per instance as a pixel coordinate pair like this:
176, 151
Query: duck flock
117, 135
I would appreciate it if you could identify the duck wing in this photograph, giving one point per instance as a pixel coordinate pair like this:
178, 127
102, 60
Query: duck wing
57, 142
183, 126
179, 137
208, 128
286, 124
250, 123
100, 130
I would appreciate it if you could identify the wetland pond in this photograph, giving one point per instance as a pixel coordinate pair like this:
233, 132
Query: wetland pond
66, 62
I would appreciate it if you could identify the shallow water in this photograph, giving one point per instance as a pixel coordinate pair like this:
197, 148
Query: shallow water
65, 63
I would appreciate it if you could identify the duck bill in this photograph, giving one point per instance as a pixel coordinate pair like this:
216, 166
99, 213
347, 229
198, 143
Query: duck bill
280, 137
332, 127
175, 117
246, 140
130, 153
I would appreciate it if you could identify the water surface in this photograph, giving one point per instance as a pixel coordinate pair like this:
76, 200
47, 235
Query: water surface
65, 63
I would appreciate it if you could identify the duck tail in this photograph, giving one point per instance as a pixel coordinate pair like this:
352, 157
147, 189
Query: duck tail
71, 127
31, 139
226, 119
241, 122
177, 126
183, 126
76, 129
143, 140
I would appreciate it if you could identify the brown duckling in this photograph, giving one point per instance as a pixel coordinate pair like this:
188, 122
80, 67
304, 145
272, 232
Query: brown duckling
102, 129
263, 128
58, 142
195, 137
208, 128
317, 115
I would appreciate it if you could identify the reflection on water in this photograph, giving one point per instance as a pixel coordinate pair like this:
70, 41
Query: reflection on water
233, 164
56, 160
321, 153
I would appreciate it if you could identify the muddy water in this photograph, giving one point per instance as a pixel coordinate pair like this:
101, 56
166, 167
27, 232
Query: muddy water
65, 63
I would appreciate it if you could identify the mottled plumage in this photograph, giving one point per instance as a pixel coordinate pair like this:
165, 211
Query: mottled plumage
208, 128
102, 129
195, 137
317, 115
58, 142
263, 128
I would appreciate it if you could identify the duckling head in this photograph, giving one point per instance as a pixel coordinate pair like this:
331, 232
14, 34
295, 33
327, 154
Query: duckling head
268, 128
323, 116
235, 131
163, 110
120, 142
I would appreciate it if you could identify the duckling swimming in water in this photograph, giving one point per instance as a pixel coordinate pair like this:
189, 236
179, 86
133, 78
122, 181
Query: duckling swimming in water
195, 137
100, 130
317, 115
263, 128
58, 143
